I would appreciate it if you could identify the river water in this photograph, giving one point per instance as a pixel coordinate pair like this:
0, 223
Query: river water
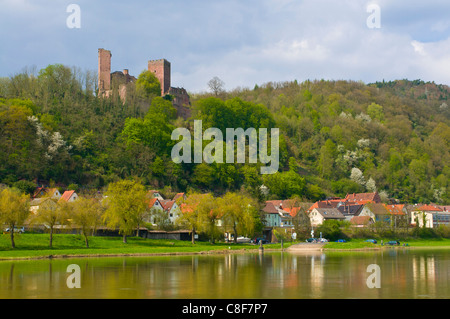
399, 273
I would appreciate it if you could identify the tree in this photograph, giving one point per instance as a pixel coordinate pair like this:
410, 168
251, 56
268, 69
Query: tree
85, 213
216, 85
375, 111
14, 209
191, 210
209, 217
239, 214
52, 212
327, 158
357, 176
147, 85
154, 130
126, 201
331, 229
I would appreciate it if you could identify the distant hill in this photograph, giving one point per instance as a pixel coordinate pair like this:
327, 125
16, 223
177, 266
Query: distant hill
338, 137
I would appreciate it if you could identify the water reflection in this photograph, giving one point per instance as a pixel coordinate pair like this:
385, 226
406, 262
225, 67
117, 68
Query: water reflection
404, 274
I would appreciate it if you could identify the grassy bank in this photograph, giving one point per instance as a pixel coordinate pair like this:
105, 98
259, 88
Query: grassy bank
36, 246
356, 244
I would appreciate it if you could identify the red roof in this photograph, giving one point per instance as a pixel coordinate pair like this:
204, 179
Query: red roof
292, 211
66, 196
360, 220
270, 208
178, 195
167, 204
428, 208
152, 202
363, 198
395, 209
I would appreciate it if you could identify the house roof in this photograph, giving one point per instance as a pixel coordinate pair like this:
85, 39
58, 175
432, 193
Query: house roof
152, 192
331, 203
178, 195
377, 209
350, 210
66, 196
330, 213
152, 202
292, 211
395, 209
48, 191
363, 197
270, 208
167, 204
428, 208
360, 220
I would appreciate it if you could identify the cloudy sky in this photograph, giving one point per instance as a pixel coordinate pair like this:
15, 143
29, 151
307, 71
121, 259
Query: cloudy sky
243, 42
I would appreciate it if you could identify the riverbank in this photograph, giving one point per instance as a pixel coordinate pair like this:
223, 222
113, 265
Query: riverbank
361, 244
36, 246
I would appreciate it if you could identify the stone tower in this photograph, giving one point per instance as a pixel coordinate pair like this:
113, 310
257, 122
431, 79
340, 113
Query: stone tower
104, 71
161, 69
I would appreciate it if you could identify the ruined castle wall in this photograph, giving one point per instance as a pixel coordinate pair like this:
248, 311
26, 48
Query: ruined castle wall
104, 70
161, 69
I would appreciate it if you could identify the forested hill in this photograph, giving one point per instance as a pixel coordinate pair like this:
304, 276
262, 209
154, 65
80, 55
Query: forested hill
338, 137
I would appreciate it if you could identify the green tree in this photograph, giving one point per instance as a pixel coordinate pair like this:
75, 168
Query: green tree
86, 214
147, 85
375, 111
239, 214
14, 209
191, 213
52, 212
125, 204
327, 158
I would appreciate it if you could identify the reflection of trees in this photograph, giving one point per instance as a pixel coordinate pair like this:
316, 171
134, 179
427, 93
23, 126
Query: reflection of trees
405, 273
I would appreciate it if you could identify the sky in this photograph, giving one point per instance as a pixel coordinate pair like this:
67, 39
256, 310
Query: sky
243, 42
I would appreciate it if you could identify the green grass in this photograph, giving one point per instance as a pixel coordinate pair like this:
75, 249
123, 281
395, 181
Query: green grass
362, 244
37, 245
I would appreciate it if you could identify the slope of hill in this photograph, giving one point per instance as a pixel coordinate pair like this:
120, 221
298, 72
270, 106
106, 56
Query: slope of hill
338, 137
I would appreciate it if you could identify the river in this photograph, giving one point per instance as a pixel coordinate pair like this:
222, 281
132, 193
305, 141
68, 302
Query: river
398, 273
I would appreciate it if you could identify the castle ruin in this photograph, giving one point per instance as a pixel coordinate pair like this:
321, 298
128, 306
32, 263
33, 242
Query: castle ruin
119, 80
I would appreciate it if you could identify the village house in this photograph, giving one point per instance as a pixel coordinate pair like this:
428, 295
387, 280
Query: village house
278, 213
328, 203
377, 212
46, 192
429, 216
69, 196
170, 207
318, 215
155, 194
39, 202
350, 210
271, 216
361, 221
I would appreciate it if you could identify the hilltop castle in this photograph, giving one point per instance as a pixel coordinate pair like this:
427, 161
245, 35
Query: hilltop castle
119, 80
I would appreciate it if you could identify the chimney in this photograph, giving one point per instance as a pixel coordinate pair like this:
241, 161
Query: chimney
125, 71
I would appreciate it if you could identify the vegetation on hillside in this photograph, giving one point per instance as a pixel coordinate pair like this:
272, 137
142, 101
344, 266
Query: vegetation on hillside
337, 137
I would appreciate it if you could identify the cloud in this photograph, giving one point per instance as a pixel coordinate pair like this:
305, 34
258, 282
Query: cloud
242, 42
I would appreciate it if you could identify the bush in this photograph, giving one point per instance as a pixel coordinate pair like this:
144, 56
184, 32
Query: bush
425, 233
25, 186
331, 230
